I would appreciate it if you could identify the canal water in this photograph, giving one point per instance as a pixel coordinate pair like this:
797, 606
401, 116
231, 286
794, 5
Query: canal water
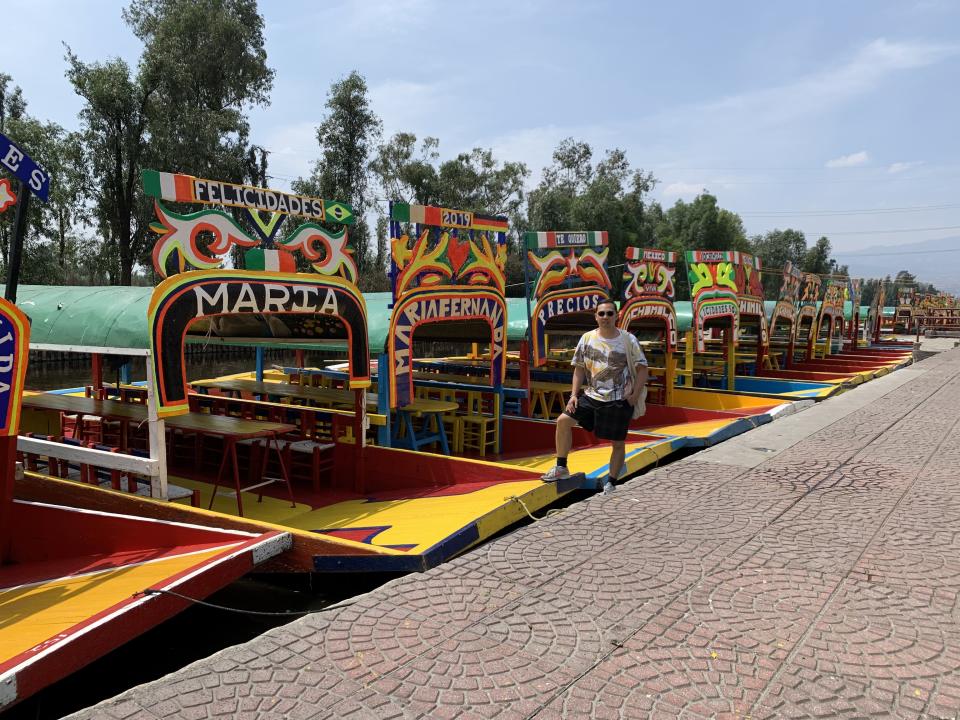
192, 635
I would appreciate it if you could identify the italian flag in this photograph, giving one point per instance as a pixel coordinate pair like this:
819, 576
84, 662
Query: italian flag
275, 260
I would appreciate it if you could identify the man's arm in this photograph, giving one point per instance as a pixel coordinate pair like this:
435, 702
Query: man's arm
578, 377
642, 375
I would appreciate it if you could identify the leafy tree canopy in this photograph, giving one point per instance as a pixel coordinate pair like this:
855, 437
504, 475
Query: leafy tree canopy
576, 193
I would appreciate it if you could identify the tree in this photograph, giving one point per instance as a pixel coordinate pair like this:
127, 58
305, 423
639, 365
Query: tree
347, 138
577, 194
60, 154
817, 258
200, 127
114, 118
701, 225
775, 248
406, 175
474, 181
179, 112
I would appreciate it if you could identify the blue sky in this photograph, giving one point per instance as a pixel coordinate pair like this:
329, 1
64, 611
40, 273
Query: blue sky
793, 115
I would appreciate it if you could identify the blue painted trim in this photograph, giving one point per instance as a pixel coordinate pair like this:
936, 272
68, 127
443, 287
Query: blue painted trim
66, 391
383, 399
260, 361
441, 552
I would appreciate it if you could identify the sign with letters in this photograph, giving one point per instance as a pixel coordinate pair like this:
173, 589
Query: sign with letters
649, 290
17, 162
14, 349
180, 300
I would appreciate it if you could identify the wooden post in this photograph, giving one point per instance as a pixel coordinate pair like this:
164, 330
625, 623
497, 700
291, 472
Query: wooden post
96, 365
299, 358
8, 465
383, 398
158, 438
16, 242
669, 376
525, 404
688, 358
259, 370
359, 436
730, 350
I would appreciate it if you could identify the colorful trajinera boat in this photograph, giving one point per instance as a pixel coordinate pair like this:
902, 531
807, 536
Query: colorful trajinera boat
346, 474
674, 405
74, 584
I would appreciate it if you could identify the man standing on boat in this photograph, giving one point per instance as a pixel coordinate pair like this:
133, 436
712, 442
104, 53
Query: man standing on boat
611, 389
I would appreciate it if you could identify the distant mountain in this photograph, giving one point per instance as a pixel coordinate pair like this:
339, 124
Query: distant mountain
933, 261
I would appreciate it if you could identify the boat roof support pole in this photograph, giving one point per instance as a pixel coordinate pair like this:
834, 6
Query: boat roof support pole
16, 243
96, 366
158, 440
383, 398
259, 364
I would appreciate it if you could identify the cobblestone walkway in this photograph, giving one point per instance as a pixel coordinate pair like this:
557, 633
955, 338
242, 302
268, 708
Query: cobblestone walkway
822, 582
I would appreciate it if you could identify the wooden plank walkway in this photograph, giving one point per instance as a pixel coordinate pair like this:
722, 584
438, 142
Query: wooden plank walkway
809, 568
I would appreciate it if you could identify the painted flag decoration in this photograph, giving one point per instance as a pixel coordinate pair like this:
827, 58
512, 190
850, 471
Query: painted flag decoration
574, 238
174, 187
650, 254
446, 217
272, 260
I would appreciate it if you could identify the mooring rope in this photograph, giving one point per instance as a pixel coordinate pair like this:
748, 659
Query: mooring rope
262, 613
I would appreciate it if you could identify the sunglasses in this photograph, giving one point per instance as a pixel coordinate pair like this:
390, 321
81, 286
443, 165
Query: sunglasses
605, 313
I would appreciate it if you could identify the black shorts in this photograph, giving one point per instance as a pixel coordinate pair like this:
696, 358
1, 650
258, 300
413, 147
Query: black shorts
606, 420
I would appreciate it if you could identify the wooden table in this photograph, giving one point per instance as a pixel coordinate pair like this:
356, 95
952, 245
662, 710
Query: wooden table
430, 410
329, 396
230, 429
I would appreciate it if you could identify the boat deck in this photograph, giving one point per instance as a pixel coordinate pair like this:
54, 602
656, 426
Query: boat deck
74, 587
816, 578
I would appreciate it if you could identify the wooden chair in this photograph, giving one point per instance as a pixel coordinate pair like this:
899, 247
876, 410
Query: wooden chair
310, 458
31, 461
479, 429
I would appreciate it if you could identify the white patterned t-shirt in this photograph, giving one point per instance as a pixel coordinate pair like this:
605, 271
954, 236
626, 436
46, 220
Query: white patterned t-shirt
604, 361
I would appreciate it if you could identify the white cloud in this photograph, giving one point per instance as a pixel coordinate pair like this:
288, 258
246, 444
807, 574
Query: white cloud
415, 107
813, 94
682, 189
535, 145
293, 150
899, 167
851, 160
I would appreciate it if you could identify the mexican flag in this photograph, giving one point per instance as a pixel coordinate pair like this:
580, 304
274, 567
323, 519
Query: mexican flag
273, 260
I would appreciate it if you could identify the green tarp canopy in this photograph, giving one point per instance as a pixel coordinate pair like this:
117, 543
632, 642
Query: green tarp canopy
116, 317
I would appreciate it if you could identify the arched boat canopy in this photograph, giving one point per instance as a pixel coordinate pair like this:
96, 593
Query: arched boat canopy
469, 314
309, 305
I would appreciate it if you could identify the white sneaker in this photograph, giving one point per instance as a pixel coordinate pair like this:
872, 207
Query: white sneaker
608, 488
557, 472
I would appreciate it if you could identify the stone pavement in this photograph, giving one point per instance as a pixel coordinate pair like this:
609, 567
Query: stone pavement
819, 578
